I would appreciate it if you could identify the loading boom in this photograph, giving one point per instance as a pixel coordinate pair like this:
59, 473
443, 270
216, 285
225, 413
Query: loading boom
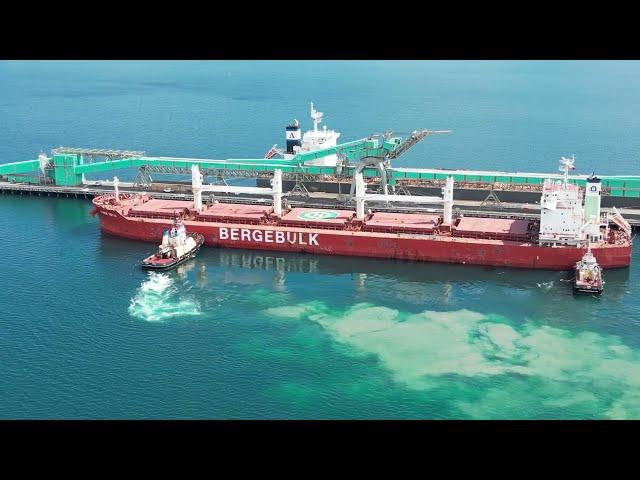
414, 138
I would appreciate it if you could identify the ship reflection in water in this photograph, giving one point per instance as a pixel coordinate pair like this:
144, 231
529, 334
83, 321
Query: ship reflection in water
407, 271
418, 284
541, 294
278, 262
234, 261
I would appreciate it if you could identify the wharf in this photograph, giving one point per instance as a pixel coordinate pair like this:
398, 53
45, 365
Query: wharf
468, 208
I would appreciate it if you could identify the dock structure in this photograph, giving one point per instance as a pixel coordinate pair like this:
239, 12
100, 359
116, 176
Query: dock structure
468, 208
371, 156
98, 152
315, 156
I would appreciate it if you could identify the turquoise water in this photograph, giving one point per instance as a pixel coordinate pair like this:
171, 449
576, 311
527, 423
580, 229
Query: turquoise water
84, 333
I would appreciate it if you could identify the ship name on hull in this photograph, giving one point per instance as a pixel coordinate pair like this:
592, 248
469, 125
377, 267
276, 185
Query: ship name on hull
268, 236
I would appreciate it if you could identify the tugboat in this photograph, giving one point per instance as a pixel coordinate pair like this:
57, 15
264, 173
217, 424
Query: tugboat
588, 275
177, 247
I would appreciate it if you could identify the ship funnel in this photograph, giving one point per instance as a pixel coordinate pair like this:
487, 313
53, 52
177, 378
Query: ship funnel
294, 139
592, 199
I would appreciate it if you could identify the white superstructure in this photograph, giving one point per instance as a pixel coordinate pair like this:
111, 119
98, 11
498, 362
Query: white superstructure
588, 266
175, 242
561, 213
563, 218
312, 140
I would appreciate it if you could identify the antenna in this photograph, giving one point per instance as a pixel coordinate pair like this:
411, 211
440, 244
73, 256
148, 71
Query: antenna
316, 117
566, 164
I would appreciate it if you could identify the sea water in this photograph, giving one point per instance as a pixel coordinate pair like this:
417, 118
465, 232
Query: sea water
85, 333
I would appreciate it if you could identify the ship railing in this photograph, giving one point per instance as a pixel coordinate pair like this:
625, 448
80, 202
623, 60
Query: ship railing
410, 231
258, 222
200, 219
168, 216
240, 221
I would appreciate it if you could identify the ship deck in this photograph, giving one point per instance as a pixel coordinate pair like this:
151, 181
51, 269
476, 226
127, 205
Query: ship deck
414, 225
157, 206
232, 212
413, 222
307, 217
499, 228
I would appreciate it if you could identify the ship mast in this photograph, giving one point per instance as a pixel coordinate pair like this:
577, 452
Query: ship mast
316, 117
566, 164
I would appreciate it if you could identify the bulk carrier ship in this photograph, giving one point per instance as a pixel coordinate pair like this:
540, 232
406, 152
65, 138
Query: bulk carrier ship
570, 223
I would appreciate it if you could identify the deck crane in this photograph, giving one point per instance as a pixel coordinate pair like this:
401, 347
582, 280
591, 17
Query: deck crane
382, 162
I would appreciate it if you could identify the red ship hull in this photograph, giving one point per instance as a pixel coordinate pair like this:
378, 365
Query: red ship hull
339, 241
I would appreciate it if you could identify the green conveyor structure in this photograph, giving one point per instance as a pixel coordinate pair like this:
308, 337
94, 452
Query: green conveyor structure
67, 166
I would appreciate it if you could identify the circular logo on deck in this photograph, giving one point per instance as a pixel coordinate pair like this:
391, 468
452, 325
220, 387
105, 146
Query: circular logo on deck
318, 215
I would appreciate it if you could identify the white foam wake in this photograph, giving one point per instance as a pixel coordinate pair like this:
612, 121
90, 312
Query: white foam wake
158, 299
